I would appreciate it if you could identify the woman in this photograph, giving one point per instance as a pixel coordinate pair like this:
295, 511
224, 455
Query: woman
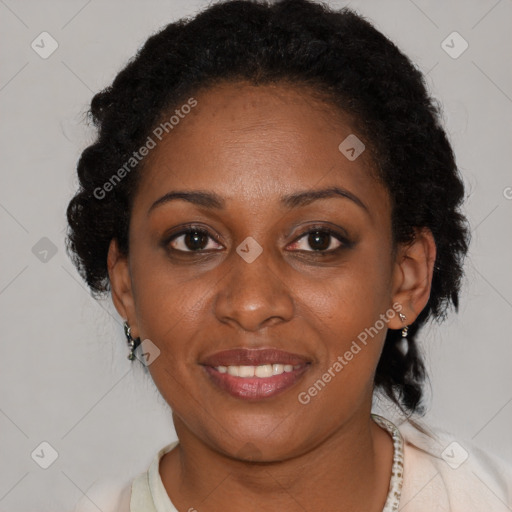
274, 207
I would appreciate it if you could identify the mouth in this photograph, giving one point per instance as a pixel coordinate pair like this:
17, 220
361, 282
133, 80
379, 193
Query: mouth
255, 374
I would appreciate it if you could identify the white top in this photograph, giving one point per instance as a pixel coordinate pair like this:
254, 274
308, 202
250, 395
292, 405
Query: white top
431, 472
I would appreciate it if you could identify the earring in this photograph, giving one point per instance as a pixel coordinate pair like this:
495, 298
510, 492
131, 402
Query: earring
403, 342
132, 342
405, 330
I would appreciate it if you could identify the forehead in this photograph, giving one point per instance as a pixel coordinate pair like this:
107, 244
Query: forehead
255, 143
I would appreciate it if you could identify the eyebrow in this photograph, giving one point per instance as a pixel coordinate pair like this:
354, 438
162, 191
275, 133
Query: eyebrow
214, 201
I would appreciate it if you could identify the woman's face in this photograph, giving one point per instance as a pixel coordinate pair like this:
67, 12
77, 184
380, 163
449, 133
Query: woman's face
257, 278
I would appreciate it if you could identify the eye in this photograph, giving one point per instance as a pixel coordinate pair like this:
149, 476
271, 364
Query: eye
321, 240
191, 240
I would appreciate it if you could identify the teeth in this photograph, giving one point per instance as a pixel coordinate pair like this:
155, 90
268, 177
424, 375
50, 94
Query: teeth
233, 370
277, 369
261, 371
245, 371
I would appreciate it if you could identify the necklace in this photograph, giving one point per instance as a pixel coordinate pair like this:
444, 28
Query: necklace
397, 469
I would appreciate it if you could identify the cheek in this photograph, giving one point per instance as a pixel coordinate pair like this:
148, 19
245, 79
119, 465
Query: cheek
165, 299
169, 311
351, 297
347, 312
168, 315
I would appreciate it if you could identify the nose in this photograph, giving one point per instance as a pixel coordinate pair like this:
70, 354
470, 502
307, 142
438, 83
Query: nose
253, 295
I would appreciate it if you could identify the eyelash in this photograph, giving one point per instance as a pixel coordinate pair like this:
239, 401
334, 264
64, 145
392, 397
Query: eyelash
345, 243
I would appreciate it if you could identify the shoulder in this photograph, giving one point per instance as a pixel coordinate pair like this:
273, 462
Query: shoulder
451, 474
137, 495
110, 495
148, 493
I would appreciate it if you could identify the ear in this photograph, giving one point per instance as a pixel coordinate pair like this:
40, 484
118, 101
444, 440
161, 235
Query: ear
412, 276
121, 285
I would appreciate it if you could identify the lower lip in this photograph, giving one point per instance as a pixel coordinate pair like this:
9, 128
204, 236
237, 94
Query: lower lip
255, 388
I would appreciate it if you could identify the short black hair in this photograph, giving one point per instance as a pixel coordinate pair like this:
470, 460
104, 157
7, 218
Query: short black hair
353, 66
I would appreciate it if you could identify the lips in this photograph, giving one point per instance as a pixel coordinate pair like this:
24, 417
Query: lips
253, 357
266, 372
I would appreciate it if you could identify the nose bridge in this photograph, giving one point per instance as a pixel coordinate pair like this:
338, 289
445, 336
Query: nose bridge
253, 292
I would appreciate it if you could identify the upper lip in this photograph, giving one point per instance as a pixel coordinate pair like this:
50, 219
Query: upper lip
253, 357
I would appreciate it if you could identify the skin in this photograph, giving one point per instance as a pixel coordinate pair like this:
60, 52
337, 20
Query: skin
252, 145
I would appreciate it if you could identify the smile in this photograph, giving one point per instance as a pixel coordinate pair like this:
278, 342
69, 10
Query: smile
254, 374
262, 371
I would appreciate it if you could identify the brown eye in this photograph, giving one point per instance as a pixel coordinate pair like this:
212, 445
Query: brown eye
191, 240
320, 240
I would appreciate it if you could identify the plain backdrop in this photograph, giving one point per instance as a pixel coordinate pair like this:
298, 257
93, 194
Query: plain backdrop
65, 379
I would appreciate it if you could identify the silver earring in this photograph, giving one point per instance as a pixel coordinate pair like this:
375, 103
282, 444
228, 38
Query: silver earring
132, 342
405, 330
403, 342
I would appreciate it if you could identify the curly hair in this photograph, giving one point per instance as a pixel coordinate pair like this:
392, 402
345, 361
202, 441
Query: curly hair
342, 57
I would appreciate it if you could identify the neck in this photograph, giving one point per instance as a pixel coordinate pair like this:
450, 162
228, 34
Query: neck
350, 470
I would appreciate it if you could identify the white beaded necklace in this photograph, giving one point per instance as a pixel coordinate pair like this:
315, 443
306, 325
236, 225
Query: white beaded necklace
397, 469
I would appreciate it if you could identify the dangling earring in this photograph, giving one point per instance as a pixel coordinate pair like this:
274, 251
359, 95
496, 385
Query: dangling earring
133, 343
403, 342
405, 330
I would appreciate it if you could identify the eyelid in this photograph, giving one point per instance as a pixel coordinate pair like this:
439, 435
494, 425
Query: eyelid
334, 233
192, 228
339, 234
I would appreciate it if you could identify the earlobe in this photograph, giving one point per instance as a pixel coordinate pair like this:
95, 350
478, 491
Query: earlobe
413, 273
120, 281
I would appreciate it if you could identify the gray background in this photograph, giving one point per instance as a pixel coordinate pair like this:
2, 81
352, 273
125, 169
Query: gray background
64, 374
